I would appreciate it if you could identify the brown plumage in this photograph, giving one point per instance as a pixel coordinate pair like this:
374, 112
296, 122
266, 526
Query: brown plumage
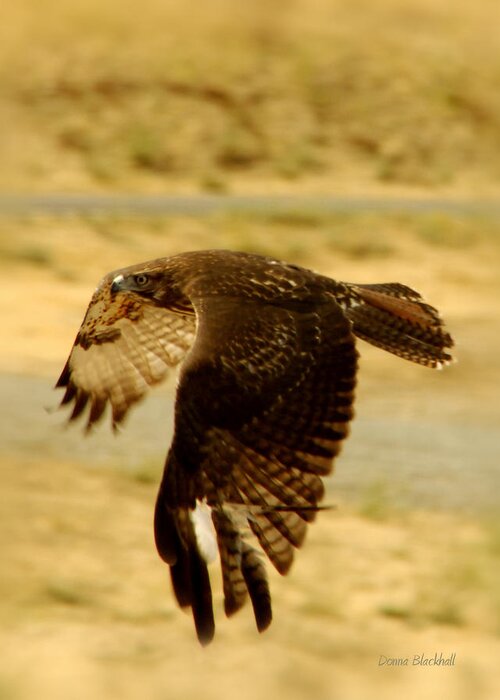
263, 403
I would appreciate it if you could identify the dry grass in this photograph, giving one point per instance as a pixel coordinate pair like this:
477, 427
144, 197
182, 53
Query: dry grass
238, 93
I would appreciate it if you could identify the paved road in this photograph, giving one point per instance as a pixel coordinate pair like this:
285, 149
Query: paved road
424, 463
128, 204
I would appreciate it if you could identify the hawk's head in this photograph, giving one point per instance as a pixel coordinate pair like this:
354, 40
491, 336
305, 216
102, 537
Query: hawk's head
154, 284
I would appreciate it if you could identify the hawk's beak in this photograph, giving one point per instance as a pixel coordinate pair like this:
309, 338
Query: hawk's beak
117, 284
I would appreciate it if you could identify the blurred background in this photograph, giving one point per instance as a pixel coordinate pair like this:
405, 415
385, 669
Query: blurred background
358, 138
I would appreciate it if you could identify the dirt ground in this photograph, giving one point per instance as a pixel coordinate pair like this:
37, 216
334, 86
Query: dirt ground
405, 566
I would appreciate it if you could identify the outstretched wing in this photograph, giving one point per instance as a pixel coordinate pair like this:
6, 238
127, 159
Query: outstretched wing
123, 346
263, 404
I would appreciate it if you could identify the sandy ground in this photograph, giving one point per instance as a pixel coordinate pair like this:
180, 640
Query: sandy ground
85, 604
407, 563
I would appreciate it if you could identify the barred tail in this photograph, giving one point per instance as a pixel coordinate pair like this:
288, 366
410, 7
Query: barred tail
395, 318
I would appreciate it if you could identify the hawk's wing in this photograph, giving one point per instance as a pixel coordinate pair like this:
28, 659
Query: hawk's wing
122, 347
264, 400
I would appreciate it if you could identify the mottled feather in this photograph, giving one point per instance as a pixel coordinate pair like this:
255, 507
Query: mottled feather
264, 400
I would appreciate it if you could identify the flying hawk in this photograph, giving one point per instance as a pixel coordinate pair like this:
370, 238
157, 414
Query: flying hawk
264, 400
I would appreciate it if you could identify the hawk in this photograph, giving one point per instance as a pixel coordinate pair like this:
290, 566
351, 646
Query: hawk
264, 400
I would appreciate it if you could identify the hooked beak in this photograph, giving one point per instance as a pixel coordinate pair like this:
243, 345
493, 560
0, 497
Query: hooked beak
117, 284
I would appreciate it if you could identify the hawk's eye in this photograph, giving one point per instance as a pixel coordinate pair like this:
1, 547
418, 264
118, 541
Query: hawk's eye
141, 279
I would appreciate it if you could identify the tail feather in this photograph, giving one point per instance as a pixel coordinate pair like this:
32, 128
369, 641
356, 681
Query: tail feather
396, 318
